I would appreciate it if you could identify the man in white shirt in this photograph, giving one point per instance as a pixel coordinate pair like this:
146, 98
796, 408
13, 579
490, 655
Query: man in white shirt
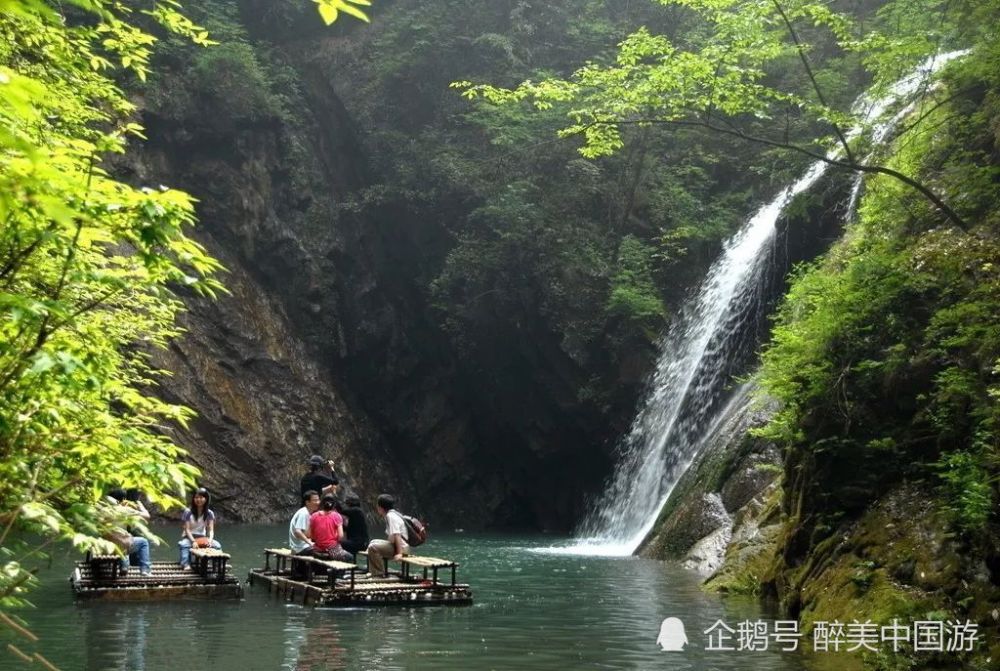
298, 528
395, 545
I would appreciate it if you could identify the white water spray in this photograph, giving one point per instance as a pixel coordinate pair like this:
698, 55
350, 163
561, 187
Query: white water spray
689, 388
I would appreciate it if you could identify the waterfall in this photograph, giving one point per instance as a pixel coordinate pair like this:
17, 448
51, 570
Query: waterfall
711, 340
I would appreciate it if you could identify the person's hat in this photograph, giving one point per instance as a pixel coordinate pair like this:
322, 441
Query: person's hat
316, 460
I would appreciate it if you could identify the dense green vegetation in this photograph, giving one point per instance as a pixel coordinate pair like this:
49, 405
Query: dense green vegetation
91, 274
540, 243
511, 177
90, 268
885, 354
738, 73
886, 351
575, 261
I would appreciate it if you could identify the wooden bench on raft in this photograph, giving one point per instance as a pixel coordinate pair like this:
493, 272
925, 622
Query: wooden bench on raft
208, 560
281, 556
333, 568
285, 559
105, 567
433, 563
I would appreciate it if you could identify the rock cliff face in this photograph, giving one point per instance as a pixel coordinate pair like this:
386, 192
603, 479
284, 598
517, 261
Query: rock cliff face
328, 342
267, 366
264, 406
331, 341
725, 502
733, 520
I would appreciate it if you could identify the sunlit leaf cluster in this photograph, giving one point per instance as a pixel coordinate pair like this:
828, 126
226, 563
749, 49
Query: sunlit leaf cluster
90, 268
727, 75
329, 10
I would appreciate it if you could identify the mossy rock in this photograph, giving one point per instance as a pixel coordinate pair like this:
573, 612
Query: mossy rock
749, 560
898, 561
747, 564
728, 473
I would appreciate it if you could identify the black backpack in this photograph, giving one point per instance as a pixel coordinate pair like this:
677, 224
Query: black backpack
416, 531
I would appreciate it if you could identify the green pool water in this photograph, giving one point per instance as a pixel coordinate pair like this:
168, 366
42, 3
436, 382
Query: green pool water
532, 610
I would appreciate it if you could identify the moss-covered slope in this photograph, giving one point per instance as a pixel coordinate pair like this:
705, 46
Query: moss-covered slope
884, 362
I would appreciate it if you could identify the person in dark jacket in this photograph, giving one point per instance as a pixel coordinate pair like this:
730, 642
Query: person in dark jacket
355, 526
318, 481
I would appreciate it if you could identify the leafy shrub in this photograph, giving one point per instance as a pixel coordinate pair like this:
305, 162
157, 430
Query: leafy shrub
234, 82
968, 492
633, 292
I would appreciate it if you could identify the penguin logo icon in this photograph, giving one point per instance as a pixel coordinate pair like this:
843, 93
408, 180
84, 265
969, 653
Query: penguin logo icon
672, 636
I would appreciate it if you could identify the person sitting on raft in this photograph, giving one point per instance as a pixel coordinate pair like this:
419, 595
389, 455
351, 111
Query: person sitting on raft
299, 539
395, 545
326, 528
355, 525
199, 527
134, 547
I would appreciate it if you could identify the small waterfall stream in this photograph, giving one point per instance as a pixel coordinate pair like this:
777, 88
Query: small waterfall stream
710, 342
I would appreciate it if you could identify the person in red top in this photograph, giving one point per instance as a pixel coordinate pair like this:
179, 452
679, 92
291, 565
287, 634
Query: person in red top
326, 528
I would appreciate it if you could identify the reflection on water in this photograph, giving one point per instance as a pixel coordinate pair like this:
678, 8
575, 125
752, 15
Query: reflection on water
315, 648
532, 611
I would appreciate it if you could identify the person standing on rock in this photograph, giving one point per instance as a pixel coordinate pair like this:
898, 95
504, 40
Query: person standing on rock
317, 481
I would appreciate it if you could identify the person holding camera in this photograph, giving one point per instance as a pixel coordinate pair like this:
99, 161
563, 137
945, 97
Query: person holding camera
316, 480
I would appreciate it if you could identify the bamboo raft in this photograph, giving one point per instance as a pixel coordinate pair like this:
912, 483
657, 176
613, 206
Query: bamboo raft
346, 584
100, 578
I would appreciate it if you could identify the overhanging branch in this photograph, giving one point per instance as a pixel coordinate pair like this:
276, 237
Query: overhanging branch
849, 164
812, 78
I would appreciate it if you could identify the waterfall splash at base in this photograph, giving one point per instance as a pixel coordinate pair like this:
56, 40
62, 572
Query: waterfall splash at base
713, 339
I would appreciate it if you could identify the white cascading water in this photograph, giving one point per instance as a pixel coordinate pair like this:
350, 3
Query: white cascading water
702, 351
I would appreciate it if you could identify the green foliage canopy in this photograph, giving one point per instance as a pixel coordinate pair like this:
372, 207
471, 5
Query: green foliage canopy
726, 78
885, 353
633, 292
89, 270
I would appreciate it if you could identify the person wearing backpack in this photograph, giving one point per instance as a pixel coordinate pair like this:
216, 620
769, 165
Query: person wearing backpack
395, 546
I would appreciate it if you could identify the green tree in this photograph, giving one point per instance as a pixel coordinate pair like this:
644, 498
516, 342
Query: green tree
725, 81
91, 274
89, 269
633, 292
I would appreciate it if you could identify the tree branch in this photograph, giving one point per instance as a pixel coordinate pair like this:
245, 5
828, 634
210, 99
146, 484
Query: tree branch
17, 259
812, 78
852, 165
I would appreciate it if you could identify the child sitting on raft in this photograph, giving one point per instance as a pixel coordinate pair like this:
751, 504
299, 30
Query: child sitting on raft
326, 528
